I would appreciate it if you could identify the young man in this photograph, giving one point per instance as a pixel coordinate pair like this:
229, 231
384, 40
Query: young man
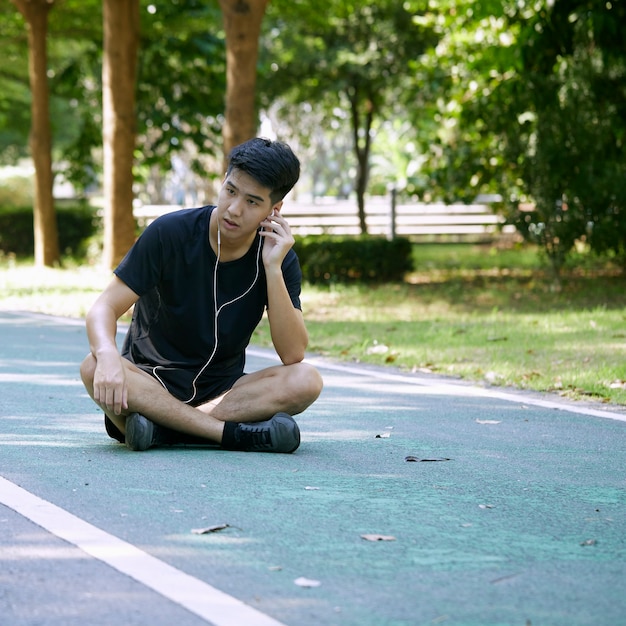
200, 280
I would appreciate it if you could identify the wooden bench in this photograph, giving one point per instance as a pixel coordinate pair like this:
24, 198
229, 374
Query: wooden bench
420, 222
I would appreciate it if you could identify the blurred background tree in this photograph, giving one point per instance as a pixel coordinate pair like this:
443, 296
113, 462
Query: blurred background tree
46, 237
532, 107
346, 56
450, 100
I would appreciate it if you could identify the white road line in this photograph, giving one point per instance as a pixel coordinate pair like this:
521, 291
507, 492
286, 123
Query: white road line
450, 387
214, 606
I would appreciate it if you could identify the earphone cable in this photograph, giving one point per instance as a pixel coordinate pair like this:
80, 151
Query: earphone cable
217, 312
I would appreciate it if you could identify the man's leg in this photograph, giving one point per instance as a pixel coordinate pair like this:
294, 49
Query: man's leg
253, 398
257, 410
259, 395
148, 397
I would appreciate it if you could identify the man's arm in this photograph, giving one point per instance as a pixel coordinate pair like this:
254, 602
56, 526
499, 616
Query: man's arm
109, 383
289, 334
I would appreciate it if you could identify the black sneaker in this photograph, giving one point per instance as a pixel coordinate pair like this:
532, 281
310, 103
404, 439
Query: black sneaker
142, 434
278, 434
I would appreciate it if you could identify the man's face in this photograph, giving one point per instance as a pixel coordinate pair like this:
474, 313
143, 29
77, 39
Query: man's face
242, 204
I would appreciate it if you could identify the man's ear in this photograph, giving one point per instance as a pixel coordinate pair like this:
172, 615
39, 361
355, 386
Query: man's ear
277, 207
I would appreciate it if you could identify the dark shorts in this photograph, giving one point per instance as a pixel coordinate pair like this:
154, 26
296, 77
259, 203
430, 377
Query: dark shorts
206, 393
179, 384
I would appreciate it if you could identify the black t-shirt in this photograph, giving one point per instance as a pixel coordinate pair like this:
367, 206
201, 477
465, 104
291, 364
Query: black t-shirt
172, 335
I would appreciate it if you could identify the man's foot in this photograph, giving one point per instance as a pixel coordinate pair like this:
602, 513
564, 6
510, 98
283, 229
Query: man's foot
142, 434
278, 434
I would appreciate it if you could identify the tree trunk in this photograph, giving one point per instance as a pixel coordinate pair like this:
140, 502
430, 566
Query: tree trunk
242, 24
119, 73
35, 13
362, 135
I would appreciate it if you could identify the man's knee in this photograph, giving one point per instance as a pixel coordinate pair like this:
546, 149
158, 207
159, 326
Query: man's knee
316, 381
310, 382
87, 370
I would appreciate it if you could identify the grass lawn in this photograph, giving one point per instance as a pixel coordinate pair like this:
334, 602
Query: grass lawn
477, 313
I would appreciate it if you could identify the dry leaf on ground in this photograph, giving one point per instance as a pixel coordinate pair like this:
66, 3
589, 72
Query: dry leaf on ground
306, 582
209, 529
588, 542
378, 537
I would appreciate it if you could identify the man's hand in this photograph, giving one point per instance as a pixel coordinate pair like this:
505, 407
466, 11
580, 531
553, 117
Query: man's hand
109, 382
110, 388
278, 240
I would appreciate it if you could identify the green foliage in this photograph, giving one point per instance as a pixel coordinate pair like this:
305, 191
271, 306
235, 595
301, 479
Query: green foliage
14, 86
16, 191
180, 85
348, 57
181, 80
78, 223
531, 105
456, 98
573, 157
327, 259
76, 95
459, 125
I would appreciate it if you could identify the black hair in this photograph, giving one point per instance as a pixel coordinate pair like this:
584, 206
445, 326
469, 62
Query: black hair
271, 163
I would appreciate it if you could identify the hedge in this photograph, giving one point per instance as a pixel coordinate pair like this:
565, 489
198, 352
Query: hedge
365, 259
323, 258
77, 223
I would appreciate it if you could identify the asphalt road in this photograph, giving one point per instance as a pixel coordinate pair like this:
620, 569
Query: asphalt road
412, 500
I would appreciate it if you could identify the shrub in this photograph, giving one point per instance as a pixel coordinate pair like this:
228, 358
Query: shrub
328, 259
77, 224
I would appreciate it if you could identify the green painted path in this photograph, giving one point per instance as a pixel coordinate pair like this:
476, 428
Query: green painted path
494, 508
